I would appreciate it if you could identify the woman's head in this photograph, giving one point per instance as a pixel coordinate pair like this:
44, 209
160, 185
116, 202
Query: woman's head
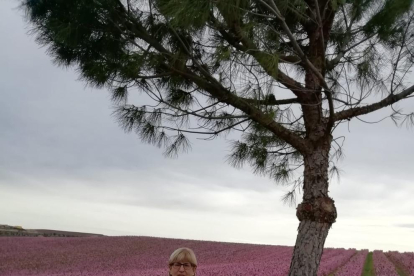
182, 262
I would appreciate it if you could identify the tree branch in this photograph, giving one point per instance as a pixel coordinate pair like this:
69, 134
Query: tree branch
222, 94
357, 111
271, 101
289, 59
203, 132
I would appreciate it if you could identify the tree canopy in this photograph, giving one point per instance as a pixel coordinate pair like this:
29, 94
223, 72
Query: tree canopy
283, 73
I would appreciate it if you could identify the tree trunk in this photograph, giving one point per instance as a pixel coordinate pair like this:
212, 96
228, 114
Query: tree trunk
316, 213
309, 247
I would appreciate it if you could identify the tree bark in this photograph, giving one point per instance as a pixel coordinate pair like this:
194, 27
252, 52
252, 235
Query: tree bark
309, 247
316, 213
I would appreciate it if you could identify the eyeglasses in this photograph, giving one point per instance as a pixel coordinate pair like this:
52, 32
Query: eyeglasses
187, 266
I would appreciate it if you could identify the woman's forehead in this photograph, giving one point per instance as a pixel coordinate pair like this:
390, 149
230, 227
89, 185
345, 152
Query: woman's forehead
183, 257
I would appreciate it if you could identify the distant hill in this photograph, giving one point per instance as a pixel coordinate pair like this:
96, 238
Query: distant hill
13, 231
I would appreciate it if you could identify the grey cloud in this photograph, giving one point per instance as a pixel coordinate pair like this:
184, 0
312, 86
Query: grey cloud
405, 225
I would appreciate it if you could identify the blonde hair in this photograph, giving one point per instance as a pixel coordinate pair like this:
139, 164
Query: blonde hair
183, 254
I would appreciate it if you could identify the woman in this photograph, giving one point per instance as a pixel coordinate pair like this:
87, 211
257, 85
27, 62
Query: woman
182, 262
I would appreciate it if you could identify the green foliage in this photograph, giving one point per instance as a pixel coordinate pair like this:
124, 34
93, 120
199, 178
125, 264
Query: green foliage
385, 21
334, 171
256, 150
181, 98
234, 10
88, 34
367, 70
187, 14
223, 53
270, 63
360, 7
180, 144
120, 94
281, 172
147, 125
335, 4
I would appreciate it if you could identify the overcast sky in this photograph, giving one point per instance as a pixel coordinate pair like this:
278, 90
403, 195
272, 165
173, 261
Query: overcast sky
65, 164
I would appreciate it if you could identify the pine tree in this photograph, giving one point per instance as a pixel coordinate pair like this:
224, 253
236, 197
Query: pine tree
210, 67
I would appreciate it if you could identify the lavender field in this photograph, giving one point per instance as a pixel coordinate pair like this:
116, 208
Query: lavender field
146, 256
